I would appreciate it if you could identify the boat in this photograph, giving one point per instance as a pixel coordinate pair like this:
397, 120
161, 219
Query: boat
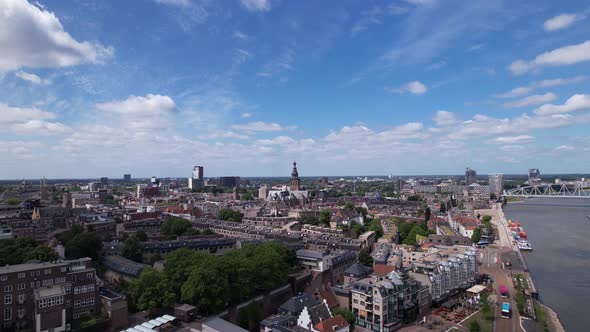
524, 245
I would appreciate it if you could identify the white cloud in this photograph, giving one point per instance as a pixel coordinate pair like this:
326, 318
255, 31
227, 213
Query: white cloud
415, 87
561, 21
279, 65
516, 92
279, 140
260, 126
180, 3
31, 77
561, 81
562, 148
567, 55
240, 35
577, 102
241, 56
10, 115
532, 100
368, 17
227, 134
34, 37
520, 139
148, 105
40, 127
524, 90
445, 118
256, 5
246, 115
422, 2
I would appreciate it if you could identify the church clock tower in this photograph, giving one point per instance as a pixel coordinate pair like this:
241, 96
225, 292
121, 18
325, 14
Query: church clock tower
294, 183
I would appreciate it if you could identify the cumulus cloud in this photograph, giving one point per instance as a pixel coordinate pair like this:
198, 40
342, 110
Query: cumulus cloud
577, 102
37, 39
279, 140
227, 134
567, 55
516, 92
256, 5
532, 100
520, 139
40, 127
563, 148
524, 90
415, 87
30, 77
240, 35
445, 118
260, 126
10, 115
246, 115
142, 105
561, 21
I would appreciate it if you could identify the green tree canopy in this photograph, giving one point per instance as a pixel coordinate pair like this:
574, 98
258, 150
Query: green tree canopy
476, 237
229, 215
364, 257
474, 326
152, 290
325, 216
83, 245
132, 249
21, 250
141, 236
175, 226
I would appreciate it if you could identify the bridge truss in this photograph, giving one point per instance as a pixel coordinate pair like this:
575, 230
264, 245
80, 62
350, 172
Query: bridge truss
563, 190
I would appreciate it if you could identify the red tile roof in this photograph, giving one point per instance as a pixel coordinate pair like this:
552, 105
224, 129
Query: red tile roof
382, 269
331, 324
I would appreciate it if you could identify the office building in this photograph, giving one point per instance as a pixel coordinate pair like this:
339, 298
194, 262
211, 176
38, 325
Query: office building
228, 181
48, 296
104, 181
534, 175
198, 172
470, 176
496, 183
126, 177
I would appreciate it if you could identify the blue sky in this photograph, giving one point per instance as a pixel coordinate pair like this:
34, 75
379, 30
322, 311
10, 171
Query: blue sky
152, 87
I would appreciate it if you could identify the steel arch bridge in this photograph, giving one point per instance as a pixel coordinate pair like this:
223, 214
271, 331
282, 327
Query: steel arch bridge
577, 189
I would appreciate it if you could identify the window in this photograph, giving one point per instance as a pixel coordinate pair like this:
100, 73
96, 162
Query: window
21, 298
20, 286
21, 312
60, 280
47, 282
76, 290
68, 289
43, 303
90, 275
47, 271
37, 283
21, 275
8, 288
3, 277
8, 299
7, 313
59, 300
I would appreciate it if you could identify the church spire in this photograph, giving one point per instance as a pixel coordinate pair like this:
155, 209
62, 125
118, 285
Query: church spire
294, 183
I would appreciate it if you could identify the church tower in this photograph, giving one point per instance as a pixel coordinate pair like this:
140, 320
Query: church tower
294, 183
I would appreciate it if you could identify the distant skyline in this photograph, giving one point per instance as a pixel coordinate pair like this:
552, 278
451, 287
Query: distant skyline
244, 87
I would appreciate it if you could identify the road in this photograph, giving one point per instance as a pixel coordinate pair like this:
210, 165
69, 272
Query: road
491, 263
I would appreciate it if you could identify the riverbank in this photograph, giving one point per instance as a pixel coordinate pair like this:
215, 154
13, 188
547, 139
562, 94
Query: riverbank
549, 315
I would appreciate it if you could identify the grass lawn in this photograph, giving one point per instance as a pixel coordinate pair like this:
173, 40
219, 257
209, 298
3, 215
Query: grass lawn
484, 324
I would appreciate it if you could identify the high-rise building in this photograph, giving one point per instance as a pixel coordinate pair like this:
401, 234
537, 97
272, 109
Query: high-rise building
126, 177
534, 175
263, 192
228, 181
104, 181
470, 176
496, 183
294, 182
198, 173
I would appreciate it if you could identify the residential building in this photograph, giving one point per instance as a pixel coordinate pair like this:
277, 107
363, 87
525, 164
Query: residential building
313, 260
470, 176
496, 183
48, 296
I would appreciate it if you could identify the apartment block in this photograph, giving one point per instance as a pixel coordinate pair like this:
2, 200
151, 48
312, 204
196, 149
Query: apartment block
48, 296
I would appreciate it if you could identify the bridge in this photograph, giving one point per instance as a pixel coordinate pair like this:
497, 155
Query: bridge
574, 189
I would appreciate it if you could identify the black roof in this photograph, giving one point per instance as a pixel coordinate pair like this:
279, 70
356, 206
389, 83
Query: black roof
358, 271
295, 305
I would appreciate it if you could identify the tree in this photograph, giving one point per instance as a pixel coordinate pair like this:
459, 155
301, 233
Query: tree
141, 236
443, 207
364, 257
375, 226
152, 290
175, 226
325, 216
207, 287
83, 245
474, 326
21, 250
132, 249
476, 237
346, 314
349, 206
229, 215
13, 201
246, 197
427, 214
156, 257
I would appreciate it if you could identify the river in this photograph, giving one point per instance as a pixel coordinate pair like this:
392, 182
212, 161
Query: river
559, 232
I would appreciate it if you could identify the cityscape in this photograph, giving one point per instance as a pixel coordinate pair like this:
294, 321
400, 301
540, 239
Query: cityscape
294, 166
